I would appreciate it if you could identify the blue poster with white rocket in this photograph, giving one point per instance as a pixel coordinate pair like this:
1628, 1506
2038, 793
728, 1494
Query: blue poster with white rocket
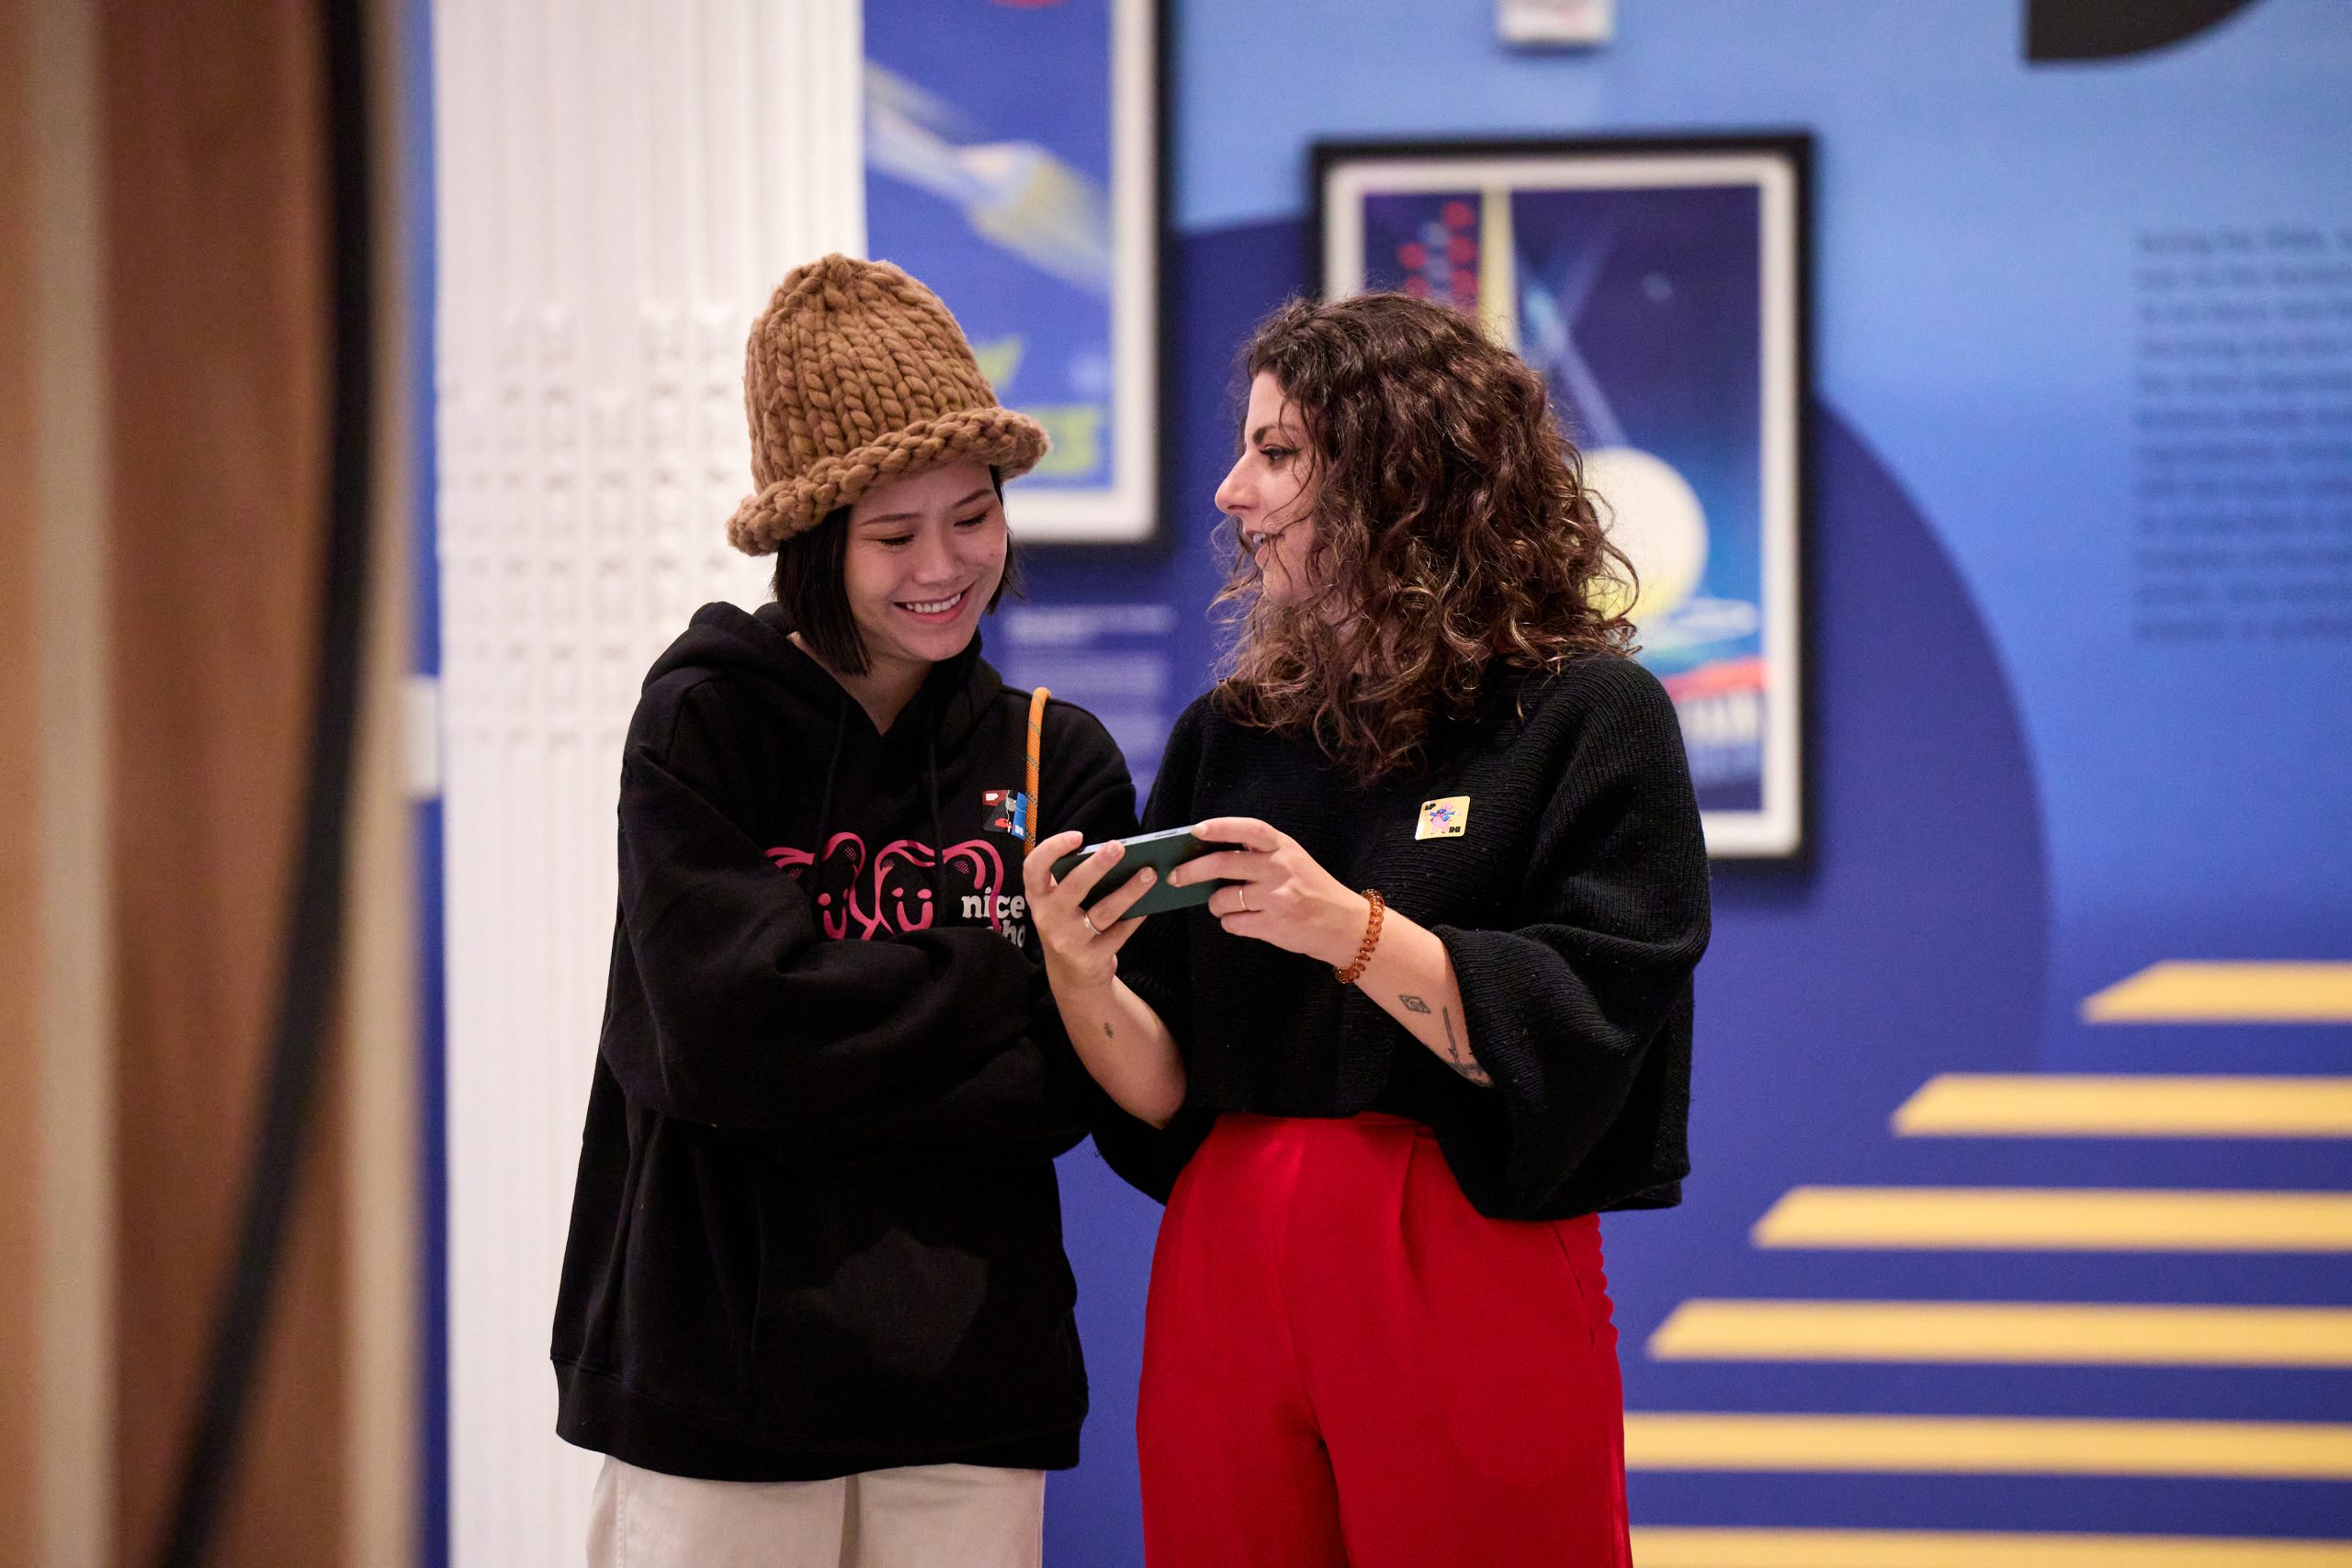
1643, 306
1002, 188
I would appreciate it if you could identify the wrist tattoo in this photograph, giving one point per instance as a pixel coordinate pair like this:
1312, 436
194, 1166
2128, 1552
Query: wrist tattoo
1414, 1004
1107, 1034
1458, 1055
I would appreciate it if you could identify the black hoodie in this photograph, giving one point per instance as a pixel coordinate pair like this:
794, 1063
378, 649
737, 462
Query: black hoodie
817, 1229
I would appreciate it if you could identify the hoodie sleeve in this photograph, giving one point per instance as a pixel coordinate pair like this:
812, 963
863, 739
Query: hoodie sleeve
1562, 1009
728, 1007
1157, 965
1035, 1090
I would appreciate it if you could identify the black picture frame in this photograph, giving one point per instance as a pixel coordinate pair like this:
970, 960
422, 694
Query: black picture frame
1763, 689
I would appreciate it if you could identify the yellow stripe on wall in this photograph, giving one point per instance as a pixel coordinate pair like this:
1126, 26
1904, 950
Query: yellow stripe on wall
2111, 1105
2012, 1333
2073, 1219
2179, 992
1664, 1547
1973, 1445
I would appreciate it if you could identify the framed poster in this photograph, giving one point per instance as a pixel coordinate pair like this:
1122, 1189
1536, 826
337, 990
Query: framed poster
1659, 287
1012, 155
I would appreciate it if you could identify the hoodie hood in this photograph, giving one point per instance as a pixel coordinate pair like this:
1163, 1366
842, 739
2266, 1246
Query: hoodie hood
723, 638
755, 652
890, 831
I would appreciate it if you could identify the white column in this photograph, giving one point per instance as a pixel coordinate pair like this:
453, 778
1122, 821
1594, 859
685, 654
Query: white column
620, 184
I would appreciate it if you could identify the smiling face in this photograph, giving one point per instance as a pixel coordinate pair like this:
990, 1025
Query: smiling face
1270, 493
923, 558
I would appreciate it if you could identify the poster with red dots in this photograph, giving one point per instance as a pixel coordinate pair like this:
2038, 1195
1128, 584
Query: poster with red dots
1427, 245
1657, 289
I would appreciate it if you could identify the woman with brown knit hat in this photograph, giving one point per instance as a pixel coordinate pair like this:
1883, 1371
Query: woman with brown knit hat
1436, 1017
815, 1308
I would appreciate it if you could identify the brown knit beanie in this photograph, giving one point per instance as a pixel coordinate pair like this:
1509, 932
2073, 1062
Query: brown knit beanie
857, 375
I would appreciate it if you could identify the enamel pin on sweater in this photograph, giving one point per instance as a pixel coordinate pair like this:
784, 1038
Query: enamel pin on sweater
1445, 819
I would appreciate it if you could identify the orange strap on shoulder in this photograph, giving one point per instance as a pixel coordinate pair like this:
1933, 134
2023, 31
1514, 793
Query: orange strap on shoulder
1036, 745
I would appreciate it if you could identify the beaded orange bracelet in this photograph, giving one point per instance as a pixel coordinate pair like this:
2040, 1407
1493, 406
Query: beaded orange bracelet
1370, 940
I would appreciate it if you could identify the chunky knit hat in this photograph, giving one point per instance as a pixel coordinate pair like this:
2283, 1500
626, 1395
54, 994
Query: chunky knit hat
857, 375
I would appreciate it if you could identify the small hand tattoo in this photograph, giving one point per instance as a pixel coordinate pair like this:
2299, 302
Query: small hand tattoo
1106, 1032
1414, 1004
1460, 1057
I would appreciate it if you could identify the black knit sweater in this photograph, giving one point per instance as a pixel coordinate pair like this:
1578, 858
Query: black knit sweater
1574, 907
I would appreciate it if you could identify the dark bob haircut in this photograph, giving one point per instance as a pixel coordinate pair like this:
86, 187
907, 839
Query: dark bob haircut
808, 586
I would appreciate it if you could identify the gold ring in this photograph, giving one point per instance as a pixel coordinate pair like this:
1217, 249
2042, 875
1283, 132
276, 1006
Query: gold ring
1243, 894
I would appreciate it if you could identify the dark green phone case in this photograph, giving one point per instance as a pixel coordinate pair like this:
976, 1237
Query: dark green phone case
1163, 851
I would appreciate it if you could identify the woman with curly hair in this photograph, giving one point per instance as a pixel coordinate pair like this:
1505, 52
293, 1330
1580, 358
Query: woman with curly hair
1437, 1015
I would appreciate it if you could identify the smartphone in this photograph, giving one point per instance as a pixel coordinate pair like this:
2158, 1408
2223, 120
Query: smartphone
1163, 851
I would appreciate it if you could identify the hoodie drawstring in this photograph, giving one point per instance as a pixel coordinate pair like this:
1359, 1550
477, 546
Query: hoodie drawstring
931, 795
938, 838
825, 801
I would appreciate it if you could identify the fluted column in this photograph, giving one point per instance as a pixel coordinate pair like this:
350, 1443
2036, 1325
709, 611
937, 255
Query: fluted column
620, 185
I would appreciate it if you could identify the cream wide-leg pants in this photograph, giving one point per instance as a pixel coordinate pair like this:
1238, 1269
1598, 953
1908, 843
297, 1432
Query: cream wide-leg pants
932, 1516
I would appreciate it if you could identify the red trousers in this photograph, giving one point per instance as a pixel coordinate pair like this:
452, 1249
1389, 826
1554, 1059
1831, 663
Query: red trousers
1346, 1365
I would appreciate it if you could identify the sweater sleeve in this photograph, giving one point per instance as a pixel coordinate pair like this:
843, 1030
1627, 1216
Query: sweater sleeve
730, 1007
1157, 965
1562, 1010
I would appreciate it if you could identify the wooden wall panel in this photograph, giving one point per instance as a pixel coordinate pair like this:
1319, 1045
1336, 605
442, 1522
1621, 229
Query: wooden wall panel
21, 1027
215, 309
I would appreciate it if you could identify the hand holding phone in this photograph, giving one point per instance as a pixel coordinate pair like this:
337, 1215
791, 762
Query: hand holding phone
1163, 851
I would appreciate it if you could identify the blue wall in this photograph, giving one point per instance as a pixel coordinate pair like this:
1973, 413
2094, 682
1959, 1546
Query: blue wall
2021, 796
2024, 792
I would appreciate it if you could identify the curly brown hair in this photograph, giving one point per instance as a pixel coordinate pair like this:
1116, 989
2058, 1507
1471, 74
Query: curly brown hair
1451, 529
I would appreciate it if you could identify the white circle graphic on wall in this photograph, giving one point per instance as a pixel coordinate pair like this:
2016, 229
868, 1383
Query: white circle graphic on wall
1654, 515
